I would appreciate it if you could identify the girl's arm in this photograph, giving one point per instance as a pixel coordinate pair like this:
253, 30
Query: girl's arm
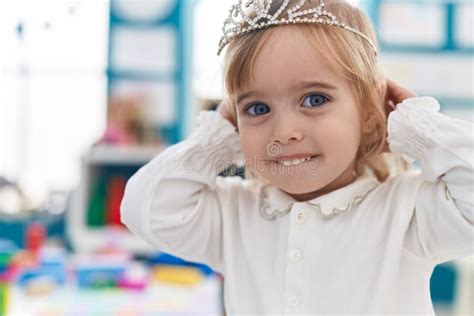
175, 201
442, 227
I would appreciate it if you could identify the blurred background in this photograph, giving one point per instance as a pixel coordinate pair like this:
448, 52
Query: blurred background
91, 90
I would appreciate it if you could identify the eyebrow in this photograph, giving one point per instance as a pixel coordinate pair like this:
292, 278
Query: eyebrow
299, 86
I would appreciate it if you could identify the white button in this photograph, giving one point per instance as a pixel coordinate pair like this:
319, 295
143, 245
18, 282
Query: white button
293, 300
295, 255
300, 217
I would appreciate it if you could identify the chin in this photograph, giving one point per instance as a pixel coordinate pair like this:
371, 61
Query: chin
299, 186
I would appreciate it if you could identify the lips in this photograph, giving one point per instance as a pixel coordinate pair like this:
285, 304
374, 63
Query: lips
295, 156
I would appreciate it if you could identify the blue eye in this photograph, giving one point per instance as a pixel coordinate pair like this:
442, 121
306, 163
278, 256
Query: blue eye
258, 109
315, 100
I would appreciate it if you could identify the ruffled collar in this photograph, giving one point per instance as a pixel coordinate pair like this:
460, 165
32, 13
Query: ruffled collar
274, 202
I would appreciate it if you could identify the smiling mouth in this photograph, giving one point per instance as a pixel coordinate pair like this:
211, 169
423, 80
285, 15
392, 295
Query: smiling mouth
295, 162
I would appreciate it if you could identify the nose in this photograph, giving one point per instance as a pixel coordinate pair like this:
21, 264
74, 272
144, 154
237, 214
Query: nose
286, 130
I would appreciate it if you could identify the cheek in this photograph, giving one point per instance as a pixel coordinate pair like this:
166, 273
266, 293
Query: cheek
251, 145
254, 148
341, 135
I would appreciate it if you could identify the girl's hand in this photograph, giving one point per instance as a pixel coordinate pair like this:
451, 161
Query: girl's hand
224, 110
395, 94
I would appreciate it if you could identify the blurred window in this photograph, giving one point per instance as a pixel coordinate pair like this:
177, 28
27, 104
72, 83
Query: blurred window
53, 89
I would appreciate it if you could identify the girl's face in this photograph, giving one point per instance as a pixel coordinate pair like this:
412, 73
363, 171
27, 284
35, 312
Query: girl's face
297, 105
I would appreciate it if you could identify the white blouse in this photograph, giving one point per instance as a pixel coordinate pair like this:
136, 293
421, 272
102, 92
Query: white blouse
368, 247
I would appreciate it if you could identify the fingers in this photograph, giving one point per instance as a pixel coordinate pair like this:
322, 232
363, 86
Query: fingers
390, 106
224, 110
397, 93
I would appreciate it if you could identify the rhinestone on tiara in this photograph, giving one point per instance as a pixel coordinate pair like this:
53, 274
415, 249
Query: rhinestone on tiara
261, 18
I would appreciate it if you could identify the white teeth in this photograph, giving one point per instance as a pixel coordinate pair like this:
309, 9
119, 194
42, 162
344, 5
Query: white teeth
294, 162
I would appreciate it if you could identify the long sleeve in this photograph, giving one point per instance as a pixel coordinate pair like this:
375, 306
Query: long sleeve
442, 226
175, 201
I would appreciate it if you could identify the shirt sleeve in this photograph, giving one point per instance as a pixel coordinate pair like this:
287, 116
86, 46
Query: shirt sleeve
174, 202
442, 225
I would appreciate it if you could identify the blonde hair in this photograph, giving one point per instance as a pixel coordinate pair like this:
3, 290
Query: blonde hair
345, 52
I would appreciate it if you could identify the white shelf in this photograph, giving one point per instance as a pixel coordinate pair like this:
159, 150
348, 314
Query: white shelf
127, 155
88, 239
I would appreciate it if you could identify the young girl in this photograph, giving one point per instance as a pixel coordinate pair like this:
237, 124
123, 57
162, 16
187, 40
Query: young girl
323, 222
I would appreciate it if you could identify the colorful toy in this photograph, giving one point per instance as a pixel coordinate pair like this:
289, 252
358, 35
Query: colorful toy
99, 271
4, 292
134, 278
167, 259
178, 275
48, 274
7, 252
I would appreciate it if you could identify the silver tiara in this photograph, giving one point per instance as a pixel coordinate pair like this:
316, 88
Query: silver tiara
261, 18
